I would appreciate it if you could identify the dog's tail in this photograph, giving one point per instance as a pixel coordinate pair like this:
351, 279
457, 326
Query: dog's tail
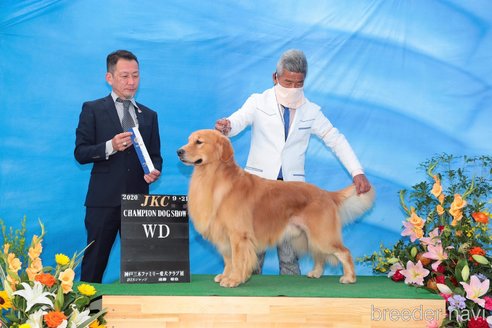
353, 205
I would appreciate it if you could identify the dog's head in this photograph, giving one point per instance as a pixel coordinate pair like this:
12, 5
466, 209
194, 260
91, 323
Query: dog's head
205, 147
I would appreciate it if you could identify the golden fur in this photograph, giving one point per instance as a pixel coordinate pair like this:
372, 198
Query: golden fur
243, 214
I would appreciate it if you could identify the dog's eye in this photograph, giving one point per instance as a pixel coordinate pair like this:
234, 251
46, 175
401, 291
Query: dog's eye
199, 142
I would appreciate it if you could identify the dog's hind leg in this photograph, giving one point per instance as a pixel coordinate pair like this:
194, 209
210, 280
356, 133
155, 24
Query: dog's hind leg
319, 265
343, 254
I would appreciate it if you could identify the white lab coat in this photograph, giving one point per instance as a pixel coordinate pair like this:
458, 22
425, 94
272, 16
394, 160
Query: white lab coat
269, 150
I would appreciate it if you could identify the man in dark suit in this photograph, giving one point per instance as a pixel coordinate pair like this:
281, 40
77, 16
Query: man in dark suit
102, 140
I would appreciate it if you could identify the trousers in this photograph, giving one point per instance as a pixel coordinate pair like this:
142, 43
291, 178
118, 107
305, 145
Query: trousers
287, 258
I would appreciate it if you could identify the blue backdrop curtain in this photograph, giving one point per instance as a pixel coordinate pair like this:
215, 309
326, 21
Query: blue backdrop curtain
403, 80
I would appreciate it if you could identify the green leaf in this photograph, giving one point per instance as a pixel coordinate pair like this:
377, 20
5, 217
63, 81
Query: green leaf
465, 272
59, 299
480, 259
459, 267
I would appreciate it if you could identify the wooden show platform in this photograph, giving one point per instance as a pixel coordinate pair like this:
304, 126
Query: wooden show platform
271, 301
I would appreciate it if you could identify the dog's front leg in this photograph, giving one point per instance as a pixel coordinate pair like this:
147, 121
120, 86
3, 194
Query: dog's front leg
243, 260
225, 251
227, 269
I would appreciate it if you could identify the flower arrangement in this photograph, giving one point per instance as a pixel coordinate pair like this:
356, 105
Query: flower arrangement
42, 296
446, 239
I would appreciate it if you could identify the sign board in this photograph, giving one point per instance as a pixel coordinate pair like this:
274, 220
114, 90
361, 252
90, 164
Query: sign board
154, 239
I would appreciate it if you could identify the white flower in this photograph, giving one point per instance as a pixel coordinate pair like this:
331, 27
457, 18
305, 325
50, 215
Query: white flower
444, 289
35, 319
395, 267
34, 295
77, 318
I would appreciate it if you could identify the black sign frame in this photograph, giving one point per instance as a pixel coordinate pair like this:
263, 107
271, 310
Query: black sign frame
154, 239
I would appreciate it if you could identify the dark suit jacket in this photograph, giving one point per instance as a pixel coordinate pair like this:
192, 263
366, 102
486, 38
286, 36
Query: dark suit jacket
121, 172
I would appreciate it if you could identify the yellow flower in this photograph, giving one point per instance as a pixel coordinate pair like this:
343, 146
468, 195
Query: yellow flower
62, 259
35, 250
437, 188
96, 324
440, 210
86, 289
25, 325
5, 302
66, 278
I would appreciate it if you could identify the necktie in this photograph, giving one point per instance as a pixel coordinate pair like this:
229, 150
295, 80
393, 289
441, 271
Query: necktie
127, 121
286, 121
286, 131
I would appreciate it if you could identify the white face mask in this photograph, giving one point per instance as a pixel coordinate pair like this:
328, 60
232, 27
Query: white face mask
289, 97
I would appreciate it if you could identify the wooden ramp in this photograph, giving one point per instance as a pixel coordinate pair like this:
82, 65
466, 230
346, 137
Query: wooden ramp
171, 306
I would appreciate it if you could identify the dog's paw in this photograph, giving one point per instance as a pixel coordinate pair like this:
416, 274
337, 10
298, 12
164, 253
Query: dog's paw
229, 283
219, 277
315, 274
348, 279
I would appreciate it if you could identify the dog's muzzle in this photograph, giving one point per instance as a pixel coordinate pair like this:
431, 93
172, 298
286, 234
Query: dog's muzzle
181, 154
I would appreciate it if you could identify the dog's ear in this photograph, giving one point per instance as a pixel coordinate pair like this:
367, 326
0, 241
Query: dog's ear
227, 151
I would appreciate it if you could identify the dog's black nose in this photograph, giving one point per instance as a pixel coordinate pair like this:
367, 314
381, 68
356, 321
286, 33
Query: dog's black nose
180, 152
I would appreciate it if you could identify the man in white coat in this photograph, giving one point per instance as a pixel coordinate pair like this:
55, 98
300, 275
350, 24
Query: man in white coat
282, 121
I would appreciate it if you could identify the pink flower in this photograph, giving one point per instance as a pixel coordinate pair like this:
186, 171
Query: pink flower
394, 268
412, 231
435, 253
432, 239
432, 324
475, 289
415, 273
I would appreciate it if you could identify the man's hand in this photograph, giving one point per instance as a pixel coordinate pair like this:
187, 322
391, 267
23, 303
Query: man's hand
152, 176
362, 185
121, 141
223, 126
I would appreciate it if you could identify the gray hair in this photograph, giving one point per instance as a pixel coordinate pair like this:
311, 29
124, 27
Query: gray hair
294, 61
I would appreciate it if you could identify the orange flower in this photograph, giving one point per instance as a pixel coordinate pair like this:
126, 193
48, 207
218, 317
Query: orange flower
441, 198
415, 220
35, 250
480, 217
457, 215
35, 267
477, 251
431, 284
14, 263
424, 260
6, 248
440, 210
46, 279
54, 318
66, 278
458, 202
436, 188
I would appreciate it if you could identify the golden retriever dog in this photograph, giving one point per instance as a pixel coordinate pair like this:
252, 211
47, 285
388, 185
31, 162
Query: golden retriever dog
243, 214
